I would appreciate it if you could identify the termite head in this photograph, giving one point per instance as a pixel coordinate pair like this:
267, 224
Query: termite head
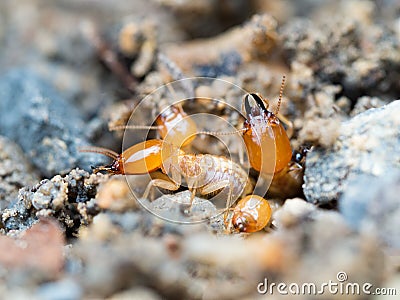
256, 107
173, 125
241, 222
298, 156
114, 168
142, 158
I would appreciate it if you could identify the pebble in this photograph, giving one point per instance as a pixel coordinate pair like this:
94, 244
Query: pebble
318, 244
115, 195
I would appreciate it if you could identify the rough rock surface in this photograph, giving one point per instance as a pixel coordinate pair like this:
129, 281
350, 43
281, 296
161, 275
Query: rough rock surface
346, 49
372, 205
367, 144
45, 125
70, 199
15, 172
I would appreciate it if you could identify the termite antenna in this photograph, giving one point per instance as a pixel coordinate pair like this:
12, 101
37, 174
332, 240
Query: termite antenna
280, 94
133, 127
100, 150
217, 133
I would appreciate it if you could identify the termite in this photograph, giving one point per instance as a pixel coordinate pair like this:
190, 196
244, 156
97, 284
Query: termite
173, 125
268, 145
263, 129
251, 214
205, 174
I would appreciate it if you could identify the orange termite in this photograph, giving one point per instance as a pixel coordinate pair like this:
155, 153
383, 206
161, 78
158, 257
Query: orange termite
251, 214
263, 129
268, 146
204, 173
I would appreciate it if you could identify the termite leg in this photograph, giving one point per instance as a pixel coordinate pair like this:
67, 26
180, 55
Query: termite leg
192, 195
228, 202
295, 167
161, 183
168, 184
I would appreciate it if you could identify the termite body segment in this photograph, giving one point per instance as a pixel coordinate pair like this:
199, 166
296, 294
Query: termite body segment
289, 181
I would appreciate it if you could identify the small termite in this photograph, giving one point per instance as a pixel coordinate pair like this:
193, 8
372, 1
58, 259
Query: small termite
173, 125
205, 174
251, 214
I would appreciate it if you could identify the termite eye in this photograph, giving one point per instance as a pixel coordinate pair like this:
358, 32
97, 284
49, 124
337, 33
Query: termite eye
297, 157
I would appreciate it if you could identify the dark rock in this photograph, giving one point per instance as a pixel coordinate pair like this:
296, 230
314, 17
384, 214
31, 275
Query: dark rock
367, 144
45, 125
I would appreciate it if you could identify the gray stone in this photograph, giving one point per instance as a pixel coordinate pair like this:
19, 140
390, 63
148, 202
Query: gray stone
372, 204
176, 208
65, 289
367, 144
15, 172
47, 127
